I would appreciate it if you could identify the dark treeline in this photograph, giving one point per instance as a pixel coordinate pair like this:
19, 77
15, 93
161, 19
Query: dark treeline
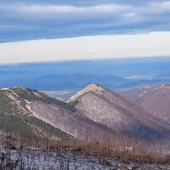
30, 95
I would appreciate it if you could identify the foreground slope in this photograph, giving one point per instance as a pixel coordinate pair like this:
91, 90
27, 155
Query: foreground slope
120, 114
157, 101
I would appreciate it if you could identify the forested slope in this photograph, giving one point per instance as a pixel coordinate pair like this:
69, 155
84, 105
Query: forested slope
18, 120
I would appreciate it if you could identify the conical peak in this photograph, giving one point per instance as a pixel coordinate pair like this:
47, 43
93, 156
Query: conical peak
94, 87
90, 88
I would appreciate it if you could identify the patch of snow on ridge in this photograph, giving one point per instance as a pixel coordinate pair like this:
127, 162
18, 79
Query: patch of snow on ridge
145, 92
4, 89
140, 95
163, 86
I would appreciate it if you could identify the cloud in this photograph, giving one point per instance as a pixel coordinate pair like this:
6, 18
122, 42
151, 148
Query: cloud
41, 19
55, 9
132, 14
89, 47
160, 7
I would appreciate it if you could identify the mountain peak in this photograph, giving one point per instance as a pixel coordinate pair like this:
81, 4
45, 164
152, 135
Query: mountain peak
90, 88
156, 100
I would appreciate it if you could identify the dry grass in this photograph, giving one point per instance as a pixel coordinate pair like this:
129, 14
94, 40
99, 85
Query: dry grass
123, 151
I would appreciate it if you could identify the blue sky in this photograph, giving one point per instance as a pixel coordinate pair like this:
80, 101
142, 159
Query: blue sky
25, 20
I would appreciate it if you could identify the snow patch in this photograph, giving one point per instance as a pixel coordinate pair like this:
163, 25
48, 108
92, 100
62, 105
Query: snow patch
4, 89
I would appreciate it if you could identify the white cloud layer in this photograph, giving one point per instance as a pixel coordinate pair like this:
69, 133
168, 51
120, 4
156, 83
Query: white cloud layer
89, 47
44, 9
151, 7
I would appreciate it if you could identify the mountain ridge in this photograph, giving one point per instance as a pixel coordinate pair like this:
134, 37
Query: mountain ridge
119, 106
156, 100
97, 110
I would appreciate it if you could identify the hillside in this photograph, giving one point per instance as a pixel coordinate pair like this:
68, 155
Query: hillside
92, 114
133, 93
114, 111
157, 101
31, 113
17, 119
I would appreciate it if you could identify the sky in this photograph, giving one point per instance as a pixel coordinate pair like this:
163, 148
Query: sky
53, 30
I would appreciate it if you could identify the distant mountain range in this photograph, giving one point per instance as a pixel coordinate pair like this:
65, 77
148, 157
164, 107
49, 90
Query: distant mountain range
74, 75
91, 114
75, 82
